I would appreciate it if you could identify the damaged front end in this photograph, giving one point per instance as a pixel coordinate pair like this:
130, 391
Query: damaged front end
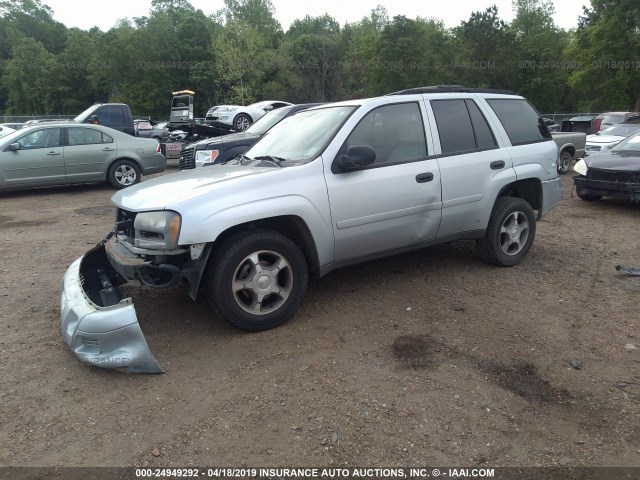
98, 323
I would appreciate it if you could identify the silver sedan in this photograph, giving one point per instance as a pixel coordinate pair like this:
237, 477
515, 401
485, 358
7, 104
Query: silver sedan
64, 153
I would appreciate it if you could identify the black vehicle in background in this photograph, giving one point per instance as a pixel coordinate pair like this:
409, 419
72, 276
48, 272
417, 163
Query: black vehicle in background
613, 172
112, 115
221, 149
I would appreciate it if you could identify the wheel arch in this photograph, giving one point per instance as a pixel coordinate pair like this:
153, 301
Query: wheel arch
529, 189
291, 226
110, 164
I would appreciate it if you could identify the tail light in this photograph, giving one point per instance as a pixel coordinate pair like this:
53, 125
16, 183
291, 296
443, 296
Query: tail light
158, 149
597, 122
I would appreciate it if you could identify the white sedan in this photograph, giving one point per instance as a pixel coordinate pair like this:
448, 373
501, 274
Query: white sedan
239, 118
4, 130
609, 137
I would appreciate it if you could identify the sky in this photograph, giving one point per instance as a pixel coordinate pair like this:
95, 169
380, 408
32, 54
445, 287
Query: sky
86, 14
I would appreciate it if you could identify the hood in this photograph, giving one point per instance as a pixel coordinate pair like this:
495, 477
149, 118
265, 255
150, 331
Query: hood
161, 192
230, 138
611, 160
604, 138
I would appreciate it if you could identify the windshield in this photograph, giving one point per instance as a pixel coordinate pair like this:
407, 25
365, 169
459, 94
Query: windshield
11, 137
611, 119
630, 144
621, 130
268, 121
303, 136
83, 116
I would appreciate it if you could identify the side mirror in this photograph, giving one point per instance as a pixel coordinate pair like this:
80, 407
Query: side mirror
357, 156
268, 108
14, 147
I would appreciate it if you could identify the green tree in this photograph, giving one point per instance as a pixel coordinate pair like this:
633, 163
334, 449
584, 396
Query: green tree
608, 46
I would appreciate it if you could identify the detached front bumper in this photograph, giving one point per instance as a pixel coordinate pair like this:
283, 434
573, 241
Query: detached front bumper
98, 323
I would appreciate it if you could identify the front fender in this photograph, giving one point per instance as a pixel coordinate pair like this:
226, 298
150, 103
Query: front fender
201, 227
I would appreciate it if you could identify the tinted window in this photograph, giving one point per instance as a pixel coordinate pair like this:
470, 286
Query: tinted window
454, 126
44, 138
484, 135
520, 120
111, 117
395, 132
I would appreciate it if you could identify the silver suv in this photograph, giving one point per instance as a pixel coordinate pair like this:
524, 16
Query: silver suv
331, 186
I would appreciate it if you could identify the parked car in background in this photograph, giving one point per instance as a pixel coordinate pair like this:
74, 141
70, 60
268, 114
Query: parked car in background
221, 149
14, 126
240, 118
151, 129
571, 145
5, 130
604, 120
63, 153
609, 136
613, 172
581, 123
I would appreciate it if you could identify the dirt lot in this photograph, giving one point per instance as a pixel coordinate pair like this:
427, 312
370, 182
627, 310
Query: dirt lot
429, 358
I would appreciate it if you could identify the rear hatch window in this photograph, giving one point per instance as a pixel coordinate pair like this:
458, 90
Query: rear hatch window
521, 121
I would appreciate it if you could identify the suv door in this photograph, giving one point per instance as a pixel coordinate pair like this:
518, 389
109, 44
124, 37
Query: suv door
394, 202
39, 161
470, 160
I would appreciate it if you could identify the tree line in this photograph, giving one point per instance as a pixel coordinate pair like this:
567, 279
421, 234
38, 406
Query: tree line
241, 54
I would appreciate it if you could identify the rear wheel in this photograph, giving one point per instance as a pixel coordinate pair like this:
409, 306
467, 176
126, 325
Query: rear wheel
564, 162
257, 280
123, 173
510, 234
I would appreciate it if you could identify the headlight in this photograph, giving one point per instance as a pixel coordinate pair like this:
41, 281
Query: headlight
581, 167
206, 156
157, 230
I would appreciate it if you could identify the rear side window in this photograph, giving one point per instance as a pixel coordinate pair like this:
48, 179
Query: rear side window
520, 120
111, 117
461, 127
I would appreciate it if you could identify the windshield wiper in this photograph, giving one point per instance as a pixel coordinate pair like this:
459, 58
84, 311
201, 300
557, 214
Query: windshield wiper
239, 160
270, 158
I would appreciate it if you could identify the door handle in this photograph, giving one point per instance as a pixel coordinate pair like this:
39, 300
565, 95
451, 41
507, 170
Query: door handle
424, 177
497, 165
53, 153
107, 149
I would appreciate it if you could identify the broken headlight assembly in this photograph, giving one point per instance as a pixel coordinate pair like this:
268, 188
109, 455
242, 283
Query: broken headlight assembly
157, 230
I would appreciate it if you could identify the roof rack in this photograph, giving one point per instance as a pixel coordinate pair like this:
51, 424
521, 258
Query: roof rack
450, 89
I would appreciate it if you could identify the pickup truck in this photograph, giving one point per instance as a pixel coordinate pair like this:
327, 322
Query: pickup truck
331, 186
571, 145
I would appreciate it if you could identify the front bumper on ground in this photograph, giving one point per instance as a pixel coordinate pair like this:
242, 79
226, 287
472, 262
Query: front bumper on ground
97, 322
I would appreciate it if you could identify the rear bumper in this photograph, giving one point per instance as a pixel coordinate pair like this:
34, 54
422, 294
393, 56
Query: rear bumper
97, 322
156, 164
551, 195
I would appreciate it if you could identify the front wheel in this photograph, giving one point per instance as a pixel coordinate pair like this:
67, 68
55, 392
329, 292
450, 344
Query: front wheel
257, 280
510, 233
123, 173
564, 162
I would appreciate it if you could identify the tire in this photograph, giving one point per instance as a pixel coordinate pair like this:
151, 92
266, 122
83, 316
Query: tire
585, 196
242, 122
510, 233
564, 162
233, 290
123, 173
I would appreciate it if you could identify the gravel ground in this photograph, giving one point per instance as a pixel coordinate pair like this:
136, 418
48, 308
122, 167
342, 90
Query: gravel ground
427, 358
